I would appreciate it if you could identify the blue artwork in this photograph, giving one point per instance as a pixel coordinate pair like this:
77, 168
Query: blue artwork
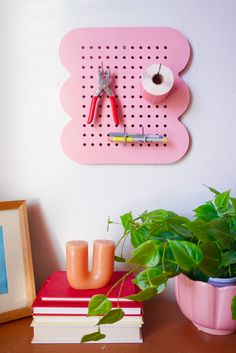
3, 272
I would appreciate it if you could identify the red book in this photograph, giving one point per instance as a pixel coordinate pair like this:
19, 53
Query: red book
57, 288
58, 297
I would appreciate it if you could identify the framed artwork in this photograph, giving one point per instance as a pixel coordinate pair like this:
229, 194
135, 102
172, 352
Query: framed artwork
17, 287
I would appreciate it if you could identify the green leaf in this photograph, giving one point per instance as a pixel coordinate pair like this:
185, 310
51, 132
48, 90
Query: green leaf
119, 258
177, 220
232, 222
227, 212
111, 317
187, 255
233, 308
94, 336
199, 228
206, 212
232, 225
162, 214
220, 224
222, 239
219, 230
213, 190
152, 277
177, 223
198, 275
161, 279
146, 254
212, 257
169, 263
146, 294
126, 220
163, 236
222, 200
182, 231
161, 287
233, 270
138, 235
228, 258
99, 305
233, 200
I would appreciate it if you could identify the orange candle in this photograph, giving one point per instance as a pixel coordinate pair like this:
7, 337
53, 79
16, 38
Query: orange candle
77, 271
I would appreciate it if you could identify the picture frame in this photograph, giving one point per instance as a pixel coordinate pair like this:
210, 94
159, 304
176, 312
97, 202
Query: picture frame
17, 286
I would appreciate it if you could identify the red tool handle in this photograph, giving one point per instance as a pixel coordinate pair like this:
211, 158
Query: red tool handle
92, 109
114, 110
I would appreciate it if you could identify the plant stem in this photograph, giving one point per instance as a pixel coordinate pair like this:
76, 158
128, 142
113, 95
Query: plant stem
110, 222
149, 280
163, 258
122, 247
121, 279
123, 236
120, 291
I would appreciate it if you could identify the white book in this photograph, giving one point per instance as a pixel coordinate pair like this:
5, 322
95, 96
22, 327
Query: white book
50, 310
84, 320
67, 333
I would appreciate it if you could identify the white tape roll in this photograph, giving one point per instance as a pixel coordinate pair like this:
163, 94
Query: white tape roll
157, 82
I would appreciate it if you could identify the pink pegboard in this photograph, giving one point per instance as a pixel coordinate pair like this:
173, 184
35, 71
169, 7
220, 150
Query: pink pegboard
127, 52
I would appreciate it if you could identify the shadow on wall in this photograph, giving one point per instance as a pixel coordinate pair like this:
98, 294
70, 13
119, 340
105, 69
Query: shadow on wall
45, 251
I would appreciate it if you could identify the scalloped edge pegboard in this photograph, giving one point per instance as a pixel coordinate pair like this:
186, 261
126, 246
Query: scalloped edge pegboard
126, 52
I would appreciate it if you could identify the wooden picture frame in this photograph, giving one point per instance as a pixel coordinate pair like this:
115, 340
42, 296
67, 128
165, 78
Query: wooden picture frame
17, 286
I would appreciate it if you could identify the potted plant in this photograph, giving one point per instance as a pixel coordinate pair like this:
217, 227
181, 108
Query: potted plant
208, 305
199, 253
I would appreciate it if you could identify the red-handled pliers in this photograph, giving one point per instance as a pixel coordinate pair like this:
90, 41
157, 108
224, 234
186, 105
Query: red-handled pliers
104, 80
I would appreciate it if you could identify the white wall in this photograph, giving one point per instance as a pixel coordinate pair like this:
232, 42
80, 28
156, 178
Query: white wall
67, 200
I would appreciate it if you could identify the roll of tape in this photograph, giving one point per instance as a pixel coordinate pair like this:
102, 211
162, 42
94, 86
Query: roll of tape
157, 82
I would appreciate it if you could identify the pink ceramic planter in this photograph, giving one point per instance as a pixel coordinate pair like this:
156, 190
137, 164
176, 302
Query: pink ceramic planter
208, 307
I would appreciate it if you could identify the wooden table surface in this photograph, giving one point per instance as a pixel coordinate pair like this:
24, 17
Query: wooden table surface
165, 330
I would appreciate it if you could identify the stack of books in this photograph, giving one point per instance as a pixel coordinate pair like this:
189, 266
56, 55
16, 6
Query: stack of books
60, 312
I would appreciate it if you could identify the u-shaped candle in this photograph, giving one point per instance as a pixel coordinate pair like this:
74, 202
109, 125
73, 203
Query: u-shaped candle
78, 274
